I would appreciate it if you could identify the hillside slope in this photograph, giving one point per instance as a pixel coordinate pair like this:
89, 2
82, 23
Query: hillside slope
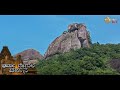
83, 61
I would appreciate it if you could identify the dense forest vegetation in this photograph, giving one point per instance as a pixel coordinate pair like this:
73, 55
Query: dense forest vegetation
83, 61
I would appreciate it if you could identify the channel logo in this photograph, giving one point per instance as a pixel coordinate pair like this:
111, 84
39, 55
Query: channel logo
110, 20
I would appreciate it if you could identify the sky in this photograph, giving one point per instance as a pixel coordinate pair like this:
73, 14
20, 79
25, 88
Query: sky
21, 32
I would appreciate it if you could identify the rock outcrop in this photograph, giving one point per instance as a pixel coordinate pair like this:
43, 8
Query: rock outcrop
115, 64
76, 37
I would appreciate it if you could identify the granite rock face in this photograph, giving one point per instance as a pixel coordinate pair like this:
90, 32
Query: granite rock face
75, 38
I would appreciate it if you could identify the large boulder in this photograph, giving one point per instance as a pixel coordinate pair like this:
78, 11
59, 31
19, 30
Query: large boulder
75, 38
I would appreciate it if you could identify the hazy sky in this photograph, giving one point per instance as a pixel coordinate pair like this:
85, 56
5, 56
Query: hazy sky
21, 32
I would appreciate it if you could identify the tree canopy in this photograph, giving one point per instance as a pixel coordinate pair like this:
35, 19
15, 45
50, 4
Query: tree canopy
83, 61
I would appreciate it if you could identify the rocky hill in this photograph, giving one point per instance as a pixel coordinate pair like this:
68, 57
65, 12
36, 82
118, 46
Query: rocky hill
30, 54
75, 37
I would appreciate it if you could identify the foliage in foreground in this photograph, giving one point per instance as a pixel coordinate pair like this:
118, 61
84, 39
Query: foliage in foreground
84, 61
